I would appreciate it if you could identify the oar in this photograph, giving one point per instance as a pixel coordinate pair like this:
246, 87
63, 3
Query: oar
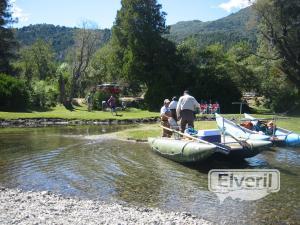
226, 149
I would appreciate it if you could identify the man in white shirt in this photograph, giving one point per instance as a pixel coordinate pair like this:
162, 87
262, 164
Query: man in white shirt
186, 107
165, 114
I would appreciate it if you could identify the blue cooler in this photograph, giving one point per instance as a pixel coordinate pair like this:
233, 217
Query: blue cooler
210, 135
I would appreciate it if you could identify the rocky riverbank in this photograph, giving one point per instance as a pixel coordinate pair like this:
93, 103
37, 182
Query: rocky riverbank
18, 207
43, 122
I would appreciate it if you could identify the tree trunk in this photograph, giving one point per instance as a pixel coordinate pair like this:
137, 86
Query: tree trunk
62, 90
68, 102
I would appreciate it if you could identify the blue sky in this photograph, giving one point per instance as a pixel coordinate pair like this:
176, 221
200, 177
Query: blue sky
103, 12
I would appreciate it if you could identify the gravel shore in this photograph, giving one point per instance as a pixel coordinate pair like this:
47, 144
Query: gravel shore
18, 207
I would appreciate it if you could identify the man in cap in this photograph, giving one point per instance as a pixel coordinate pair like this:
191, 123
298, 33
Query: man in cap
165, 114
186, 108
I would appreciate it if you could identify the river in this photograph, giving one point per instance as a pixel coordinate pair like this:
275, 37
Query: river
69, 161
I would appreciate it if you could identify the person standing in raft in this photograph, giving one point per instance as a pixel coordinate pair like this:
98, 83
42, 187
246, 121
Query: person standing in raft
186, 107
173, 106
165, 114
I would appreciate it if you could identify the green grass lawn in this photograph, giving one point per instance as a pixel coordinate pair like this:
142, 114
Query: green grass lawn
79, 112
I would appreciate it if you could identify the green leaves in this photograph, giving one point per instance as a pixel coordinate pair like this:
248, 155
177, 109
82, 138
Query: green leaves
14, 93
8, 44
280, 30
137, 38
37, 61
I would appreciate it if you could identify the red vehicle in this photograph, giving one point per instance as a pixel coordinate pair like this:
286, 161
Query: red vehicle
109, 88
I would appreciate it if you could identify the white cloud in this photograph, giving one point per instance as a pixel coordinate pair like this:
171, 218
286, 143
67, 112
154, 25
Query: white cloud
17, 12
232, 4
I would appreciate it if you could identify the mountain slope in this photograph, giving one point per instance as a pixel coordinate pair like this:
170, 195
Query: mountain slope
61, 38
228, 30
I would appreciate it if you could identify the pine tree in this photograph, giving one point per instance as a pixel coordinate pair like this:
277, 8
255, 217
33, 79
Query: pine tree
143, 55
7, 42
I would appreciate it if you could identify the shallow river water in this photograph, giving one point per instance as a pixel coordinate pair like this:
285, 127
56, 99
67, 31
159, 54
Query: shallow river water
73, 162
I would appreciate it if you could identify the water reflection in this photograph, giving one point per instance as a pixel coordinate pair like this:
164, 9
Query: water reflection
64, 160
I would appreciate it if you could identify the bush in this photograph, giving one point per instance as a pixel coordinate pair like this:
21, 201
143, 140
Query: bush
283, 101
13, 93
44, 94
99, 96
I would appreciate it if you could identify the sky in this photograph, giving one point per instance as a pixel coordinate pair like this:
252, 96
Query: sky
102, 13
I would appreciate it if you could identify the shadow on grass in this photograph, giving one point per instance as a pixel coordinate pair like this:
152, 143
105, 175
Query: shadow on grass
29, 110
70, 108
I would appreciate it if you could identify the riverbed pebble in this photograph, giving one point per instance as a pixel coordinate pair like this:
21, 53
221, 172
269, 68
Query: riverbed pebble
20, 207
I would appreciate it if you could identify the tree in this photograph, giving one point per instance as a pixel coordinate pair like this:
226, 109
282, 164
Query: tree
207, 74
14, 93
104, 68
144, 56
280, 28
37, 61
271, 83
7, 42
62, 76
239, 63
80, 57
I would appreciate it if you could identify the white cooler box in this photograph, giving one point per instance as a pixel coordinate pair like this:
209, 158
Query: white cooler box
210, 135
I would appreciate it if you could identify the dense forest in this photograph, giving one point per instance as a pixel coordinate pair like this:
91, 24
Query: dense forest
256, 49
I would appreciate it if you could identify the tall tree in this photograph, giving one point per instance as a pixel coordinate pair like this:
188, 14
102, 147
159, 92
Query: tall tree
144, 56
7, 42
37, 61
62, 75
280, 28
80, 57
208, 74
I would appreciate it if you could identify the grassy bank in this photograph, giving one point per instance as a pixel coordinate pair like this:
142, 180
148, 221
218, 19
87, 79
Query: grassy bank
142, 132
79, 112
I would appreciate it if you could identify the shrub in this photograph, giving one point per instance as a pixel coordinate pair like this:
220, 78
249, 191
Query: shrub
99, 96
44, 94
13, 93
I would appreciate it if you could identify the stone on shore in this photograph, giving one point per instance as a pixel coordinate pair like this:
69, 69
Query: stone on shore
18, 207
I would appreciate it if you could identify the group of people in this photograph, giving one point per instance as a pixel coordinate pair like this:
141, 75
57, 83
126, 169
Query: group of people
180, 110
209, 108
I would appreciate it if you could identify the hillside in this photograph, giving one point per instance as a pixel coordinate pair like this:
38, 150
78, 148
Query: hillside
228, 30
60, 37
